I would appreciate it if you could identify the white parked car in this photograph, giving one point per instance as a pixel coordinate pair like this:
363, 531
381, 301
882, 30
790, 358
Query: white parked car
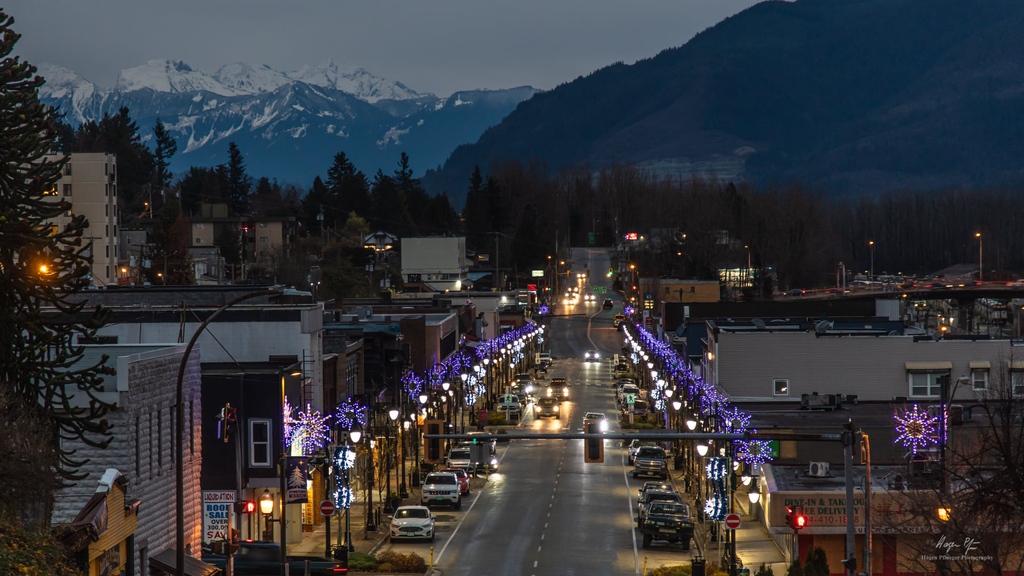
412, 522
442, 488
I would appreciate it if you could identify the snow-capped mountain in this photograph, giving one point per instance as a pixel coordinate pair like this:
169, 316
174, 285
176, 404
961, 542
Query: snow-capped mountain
289, 126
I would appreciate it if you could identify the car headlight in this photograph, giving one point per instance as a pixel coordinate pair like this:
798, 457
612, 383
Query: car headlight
549, 392
529, 388
494, 461
565, 391
556, 408
604, 425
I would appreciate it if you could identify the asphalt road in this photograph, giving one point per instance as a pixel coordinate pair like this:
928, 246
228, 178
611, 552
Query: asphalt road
546, 512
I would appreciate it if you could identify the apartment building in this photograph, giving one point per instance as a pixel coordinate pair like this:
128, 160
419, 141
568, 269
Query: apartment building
89, 182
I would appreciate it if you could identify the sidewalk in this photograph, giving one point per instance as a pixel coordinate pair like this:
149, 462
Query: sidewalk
754, 546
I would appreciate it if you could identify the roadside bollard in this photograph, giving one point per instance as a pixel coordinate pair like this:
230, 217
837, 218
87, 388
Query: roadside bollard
431, 557
645, 566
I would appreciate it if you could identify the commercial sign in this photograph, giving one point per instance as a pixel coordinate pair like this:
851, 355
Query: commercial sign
216, 514
537, 273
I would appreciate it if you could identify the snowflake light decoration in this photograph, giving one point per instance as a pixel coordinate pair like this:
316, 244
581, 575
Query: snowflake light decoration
754, 452
310, 430
715, 507
544, 310
348, 413
915, 429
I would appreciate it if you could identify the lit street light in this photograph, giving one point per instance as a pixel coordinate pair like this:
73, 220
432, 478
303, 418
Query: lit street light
978, 236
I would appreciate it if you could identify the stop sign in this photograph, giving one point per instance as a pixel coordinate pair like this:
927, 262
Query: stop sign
732, 521
327, 508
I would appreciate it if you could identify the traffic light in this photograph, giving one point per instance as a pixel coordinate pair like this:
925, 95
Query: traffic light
795, 517
434, 444
593, 448
851, 564
610, 272
248, 507
801, 520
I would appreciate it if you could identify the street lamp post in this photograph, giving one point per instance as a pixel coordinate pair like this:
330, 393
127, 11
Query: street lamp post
267, 509
179, 441
393, 415
871, 246
978, 236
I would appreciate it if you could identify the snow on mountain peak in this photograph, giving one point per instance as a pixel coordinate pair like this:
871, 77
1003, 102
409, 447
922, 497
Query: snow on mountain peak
169, 76
355, 81
61, 81
245, 78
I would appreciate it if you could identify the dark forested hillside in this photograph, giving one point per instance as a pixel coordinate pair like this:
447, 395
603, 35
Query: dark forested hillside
846, 96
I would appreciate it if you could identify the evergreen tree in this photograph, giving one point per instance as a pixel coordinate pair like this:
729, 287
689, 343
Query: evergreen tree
476, 214
166, 148
266, 199
239, 183
795, 569
349, 190
43, 270
313, 206
389, 210
202, 185
816, 563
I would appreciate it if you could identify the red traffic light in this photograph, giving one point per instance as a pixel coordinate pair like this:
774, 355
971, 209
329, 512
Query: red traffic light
248, 507
801, 521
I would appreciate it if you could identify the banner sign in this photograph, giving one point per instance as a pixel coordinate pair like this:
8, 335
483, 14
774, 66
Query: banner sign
296, 476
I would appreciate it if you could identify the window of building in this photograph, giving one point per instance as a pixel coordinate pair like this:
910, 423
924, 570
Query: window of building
264, 239
979, 379
1017, 382
67, 189
925, 383
199, 240
259, 443
780, 387
159, 447
138, 446
67, 169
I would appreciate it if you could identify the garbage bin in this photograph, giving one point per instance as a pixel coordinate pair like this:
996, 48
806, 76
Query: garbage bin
697, 567
414, 478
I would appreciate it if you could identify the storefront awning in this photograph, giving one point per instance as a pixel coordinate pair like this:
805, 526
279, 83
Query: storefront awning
167, 562
929, 365
980, 365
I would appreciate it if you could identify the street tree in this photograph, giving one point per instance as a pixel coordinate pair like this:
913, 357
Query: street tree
165, 149
43, 270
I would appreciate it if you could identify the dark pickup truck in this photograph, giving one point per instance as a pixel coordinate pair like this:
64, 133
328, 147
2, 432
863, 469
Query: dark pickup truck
264, 559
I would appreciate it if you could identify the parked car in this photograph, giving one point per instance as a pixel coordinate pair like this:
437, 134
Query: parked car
651, 496
441, 488
459, 457
463, 477
653, 485
667, 520
650, 461
546, 407
634, 447
412, 522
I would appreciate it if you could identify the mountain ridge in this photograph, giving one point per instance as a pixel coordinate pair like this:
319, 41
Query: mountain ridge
845, 96
289, 126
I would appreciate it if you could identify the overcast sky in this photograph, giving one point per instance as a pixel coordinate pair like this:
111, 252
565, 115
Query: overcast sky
437, 46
